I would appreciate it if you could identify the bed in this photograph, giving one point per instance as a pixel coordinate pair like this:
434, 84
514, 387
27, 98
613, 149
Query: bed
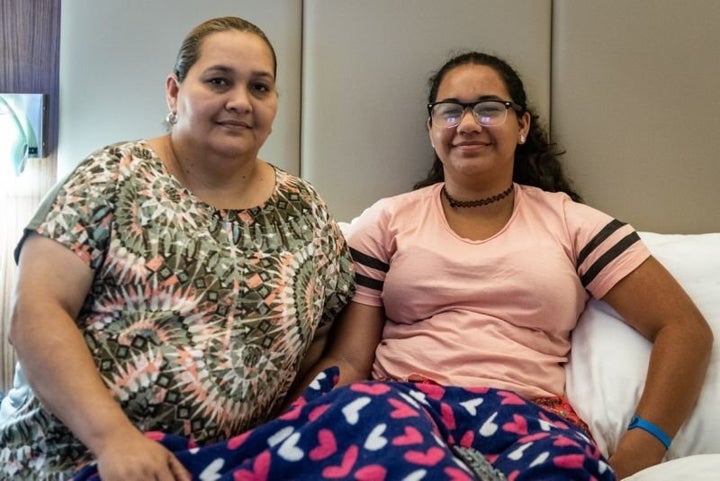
607, 366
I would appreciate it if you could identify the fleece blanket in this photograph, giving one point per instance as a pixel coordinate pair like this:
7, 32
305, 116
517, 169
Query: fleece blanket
396, 431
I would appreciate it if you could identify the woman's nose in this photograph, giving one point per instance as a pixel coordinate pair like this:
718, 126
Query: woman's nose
239, 100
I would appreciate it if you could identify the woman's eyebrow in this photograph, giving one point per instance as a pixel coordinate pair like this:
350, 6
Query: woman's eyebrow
220, 68
224, 69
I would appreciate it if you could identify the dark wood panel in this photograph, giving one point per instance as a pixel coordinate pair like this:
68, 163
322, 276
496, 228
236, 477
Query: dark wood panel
30, 54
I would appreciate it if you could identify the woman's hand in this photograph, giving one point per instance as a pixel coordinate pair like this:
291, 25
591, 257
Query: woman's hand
52, 285
130, 456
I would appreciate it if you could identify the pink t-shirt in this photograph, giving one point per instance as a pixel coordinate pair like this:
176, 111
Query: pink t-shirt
496, 312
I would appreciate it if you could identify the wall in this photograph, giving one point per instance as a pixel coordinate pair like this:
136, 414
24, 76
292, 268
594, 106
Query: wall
629, 86
635, 103
116, 55
29, 39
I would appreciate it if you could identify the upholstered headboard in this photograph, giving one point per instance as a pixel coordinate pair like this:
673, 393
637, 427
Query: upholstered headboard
629, 89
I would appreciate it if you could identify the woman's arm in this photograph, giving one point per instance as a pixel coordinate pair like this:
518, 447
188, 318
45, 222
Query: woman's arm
350, 346
652, 302
52, 286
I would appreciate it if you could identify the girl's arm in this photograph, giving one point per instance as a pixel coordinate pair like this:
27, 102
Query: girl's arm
652, 302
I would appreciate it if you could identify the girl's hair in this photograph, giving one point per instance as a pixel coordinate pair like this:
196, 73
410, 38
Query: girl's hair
537, 160
190, 48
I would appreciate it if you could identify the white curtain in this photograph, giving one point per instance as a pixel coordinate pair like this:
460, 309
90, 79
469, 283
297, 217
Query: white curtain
19, 197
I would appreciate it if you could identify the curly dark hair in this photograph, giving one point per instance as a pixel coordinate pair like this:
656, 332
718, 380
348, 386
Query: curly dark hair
537, 160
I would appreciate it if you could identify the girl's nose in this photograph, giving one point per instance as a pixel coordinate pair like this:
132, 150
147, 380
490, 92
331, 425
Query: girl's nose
468, 122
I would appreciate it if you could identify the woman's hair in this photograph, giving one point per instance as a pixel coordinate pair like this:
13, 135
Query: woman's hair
190, 48
537, 160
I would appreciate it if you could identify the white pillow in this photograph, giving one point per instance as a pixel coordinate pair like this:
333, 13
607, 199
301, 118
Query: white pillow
608, 361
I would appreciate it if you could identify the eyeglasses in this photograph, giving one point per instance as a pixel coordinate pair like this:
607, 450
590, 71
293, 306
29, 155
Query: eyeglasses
488, 113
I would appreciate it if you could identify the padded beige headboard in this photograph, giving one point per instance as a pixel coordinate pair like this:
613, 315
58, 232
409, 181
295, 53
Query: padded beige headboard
636, 103
629, 87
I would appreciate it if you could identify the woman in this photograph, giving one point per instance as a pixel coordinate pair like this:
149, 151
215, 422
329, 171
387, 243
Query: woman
468, 290
175, 284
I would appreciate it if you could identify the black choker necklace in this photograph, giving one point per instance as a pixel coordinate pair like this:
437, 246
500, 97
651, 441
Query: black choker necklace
454, 203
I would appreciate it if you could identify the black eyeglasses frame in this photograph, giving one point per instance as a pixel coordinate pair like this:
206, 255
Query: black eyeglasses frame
509, 104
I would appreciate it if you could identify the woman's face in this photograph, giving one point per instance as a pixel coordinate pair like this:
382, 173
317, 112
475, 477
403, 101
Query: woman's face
227, 102
470, 149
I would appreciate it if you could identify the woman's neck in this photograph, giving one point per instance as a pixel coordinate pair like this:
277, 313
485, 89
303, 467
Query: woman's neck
224, 183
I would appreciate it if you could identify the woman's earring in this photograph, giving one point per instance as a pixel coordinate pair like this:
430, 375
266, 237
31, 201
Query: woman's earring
171, 118
522, 139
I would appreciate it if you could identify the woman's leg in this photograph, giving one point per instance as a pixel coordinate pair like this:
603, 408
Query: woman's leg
375, 431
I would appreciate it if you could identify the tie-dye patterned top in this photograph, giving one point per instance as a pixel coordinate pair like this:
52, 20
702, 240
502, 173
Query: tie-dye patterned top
198, 318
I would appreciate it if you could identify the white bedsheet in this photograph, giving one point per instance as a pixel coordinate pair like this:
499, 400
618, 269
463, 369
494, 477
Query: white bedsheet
699, 467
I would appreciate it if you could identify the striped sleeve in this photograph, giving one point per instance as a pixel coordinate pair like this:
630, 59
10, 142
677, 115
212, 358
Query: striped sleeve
608, 254
364, 262
371, 250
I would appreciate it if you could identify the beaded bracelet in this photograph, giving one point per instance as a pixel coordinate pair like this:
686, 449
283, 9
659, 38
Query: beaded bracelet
638, 422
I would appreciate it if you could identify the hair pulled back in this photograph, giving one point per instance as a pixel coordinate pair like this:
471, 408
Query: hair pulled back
190, 48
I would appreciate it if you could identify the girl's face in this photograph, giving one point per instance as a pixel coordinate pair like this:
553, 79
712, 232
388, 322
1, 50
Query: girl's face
227, 102
470, 149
